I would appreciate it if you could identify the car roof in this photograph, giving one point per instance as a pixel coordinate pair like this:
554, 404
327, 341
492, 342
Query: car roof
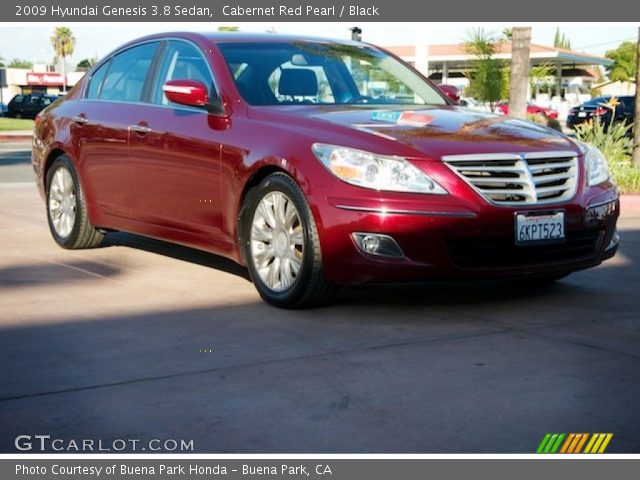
241, 37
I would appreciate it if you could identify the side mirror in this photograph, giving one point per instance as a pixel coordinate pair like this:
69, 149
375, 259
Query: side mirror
186, 92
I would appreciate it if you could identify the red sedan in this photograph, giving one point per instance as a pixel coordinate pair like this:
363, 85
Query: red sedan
503, 108
315, 163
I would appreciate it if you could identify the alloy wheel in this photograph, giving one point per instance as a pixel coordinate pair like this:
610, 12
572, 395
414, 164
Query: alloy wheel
277, 241
62, 202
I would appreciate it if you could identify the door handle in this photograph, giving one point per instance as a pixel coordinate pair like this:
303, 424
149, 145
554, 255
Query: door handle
80, 120
142, 129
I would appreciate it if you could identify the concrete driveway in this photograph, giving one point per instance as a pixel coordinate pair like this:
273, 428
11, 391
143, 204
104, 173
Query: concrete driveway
144, 340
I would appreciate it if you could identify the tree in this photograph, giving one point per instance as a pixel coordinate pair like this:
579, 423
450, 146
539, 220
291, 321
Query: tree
228, 29
1, 61
86, 64
487, 73
561, 41
625, 62
63, 43
541, 75
520, 46
636, 127
19, 63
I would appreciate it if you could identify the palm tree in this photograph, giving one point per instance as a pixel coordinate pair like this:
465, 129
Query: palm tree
487, 79
63, 43
520, 46
636, 127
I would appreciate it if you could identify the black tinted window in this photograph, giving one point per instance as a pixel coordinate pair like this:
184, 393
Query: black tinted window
629, 104
594, 102
181, 61
96, 81
18, 99
127, 72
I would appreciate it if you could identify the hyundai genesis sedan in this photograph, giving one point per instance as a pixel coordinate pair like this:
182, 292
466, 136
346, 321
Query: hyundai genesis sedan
315, 163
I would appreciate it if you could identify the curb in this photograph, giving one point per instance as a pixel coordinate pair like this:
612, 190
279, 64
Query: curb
630, 202
15, 138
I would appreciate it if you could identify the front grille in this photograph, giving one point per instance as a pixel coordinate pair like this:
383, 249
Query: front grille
511, 179
502, 252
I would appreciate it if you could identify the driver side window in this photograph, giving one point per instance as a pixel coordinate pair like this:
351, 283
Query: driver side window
181, 61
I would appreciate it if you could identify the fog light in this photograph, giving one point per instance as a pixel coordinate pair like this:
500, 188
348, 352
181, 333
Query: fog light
615, 240
370, 243
377, 244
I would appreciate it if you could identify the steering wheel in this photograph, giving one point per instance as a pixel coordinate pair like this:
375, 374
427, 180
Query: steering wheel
360, 99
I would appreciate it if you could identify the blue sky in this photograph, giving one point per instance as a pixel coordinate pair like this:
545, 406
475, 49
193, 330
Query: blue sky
31, 41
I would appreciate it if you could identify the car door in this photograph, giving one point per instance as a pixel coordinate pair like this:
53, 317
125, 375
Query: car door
174, 153
100, 128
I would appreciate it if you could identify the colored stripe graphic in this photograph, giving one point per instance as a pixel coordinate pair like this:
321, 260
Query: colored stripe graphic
598, 442
581, 443
550, 443
574, 443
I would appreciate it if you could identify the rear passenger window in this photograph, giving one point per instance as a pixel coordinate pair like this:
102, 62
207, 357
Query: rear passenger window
96, 81
18, 99
181, 61
127, 72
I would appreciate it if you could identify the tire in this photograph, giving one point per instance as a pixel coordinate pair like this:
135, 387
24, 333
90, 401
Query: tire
76, 232
18, 115
291, 242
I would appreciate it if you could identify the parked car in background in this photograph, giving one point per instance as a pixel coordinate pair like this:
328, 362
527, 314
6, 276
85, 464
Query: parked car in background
3, 109
269, 150
28, 106
532, 109
607, 108
473, 104
451, 91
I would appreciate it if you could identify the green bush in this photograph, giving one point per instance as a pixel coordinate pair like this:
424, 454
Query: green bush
616, 145
543, 120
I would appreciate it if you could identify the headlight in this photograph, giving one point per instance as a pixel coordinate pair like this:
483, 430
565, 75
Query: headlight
378, 172
596, 165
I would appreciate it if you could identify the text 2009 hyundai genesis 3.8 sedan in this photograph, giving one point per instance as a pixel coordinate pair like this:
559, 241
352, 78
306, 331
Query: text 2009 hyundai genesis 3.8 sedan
315, 163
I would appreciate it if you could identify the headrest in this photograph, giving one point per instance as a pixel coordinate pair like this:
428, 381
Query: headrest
298, 82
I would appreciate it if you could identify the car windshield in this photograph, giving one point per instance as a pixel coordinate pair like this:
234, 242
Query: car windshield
298, 73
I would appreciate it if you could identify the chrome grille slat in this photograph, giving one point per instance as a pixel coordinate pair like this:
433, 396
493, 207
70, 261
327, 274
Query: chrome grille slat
551, 178
548, 166
512, 179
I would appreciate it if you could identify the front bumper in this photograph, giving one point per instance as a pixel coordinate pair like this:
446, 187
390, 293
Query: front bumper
449, 242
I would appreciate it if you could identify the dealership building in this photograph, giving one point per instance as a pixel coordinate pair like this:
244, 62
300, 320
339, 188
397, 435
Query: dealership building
39, 79
572, 72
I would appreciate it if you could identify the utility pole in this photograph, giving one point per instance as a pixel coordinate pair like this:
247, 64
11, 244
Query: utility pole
518, 87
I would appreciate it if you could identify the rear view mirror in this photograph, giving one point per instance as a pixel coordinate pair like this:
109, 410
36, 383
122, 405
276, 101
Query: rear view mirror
186, 92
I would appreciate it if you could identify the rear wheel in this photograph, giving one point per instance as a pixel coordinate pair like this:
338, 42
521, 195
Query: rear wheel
67, 209
18, 115
281, 245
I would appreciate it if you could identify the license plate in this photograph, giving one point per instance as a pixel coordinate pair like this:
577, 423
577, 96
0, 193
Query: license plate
582, 114
539, 228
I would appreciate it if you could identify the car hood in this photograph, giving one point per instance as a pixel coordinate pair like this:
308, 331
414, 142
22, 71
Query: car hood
438, 131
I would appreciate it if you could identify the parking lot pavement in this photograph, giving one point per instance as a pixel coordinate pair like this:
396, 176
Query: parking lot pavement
143, 340
15, 161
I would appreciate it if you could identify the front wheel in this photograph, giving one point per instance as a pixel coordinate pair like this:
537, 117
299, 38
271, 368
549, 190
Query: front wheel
281, 245
67, 208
